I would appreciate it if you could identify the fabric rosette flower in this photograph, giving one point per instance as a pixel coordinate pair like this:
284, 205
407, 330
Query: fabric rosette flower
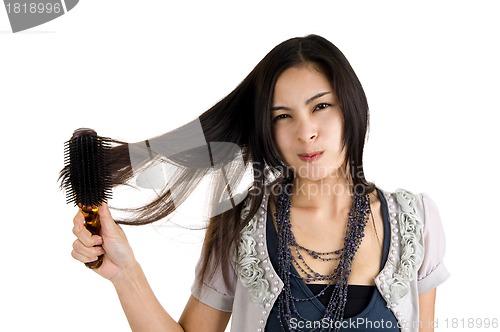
399, 287
408, 223
249, 270
247, 246
406, 200
411, 248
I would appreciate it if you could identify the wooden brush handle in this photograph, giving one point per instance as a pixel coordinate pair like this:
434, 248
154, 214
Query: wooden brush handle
93, 225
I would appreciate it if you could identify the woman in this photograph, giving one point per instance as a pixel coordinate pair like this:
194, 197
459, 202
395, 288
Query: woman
313, 246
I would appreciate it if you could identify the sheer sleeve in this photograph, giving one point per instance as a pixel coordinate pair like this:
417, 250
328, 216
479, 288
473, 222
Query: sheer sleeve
216, 289
432, 272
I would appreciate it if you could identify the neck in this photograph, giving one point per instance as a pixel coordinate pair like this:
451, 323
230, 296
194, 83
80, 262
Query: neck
331, 194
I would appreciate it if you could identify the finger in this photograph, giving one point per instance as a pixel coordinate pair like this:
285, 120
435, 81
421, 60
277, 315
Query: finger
97, 240
85, 254
78, 220
108, 224
83, 258
79, 247
104, 212
87, 251
84, 235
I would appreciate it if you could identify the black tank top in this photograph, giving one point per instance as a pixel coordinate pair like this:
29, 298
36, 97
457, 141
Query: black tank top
364, 302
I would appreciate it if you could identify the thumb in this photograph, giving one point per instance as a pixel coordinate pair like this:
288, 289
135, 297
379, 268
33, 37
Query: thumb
108, 224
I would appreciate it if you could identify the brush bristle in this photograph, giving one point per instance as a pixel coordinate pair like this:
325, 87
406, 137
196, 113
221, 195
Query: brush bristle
86, 177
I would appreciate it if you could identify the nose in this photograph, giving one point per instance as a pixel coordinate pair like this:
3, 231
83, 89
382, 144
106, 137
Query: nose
307, 131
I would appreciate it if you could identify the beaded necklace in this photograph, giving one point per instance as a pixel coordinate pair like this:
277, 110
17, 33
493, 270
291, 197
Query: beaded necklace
338, 278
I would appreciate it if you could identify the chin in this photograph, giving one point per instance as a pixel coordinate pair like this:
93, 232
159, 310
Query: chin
315, 172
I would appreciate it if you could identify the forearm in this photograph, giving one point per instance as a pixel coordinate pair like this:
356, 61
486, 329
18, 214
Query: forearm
143, 310
427, 303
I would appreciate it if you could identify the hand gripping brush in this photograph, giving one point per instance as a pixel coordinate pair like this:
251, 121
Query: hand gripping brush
86, 178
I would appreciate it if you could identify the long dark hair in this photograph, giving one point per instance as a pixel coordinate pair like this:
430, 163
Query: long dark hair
244, 119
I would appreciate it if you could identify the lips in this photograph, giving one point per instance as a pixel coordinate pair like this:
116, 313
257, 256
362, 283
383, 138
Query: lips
311, 156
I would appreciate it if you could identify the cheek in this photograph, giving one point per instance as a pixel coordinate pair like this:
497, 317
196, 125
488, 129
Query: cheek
335, 131
281, 139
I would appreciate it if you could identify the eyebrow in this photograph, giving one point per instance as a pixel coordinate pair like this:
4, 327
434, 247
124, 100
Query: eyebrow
308, 101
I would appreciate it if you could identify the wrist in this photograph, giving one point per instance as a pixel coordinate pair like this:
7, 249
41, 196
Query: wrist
130, 274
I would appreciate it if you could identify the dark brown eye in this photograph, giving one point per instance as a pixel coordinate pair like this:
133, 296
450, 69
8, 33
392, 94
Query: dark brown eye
322, 106
280, 117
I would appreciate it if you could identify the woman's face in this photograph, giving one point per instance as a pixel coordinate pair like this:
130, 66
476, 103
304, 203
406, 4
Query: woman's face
308, 123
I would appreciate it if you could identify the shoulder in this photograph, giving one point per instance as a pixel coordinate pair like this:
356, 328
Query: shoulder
414, 216
421, 205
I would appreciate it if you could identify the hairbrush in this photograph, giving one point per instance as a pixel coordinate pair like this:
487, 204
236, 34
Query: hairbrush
86, 178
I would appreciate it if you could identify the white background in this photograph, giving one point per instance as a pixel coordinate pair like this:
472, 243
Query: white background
135, 69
